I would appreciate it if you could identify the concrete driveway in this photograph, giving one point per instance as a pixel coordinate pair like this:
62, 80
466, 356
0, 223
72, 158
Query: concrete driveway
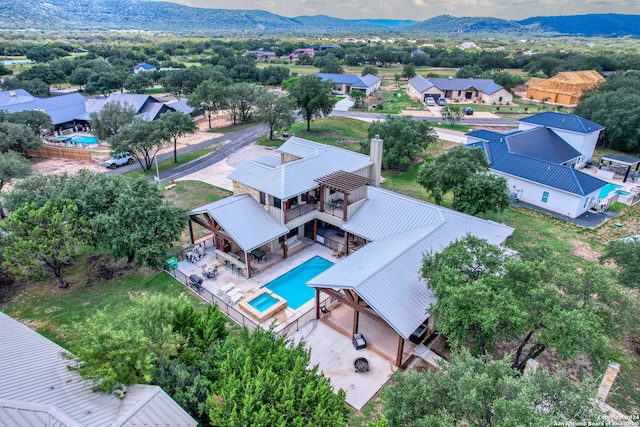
344, 104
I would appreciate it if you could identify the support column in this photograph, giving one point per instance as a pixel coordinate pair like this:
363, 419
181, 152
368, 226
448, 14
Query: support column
346, 243
285, 248
317, 303
191, 231
322, 198
600, 164
344, 206
315, 229
247, 258
400, 350
626, 175
356, 317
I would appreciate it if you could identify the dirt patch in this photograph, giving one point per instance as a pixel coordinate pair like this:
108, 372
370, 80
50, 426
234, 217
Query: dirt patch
440, 347
417, 113
584, 250
58, 166
101, 268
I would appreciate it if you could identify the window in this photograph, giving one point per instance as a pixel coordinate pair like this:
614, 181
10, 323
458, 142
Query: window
303, 197
545, 196
585, 202
500, 99
263, 199
277, 202
459, 92
293, 201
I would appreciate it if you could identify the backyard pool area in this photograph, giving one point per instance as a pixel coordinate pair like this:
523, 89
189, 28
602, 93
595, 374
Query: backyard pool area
263, 305
80, 139
607, 189
263, 302
291, 285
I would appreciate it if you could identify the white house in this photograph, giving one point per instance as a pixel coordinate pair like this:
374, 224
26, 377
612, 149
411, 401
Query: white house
345, 83
462, 90
540, 165
143, 68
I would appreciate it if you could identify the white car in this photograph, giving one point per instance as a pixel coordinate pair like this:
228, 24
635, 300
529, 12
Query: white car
430, 102
118, 160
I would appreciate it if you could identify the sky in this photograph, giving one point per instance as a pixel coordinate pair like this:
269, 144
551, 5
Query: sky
420, 10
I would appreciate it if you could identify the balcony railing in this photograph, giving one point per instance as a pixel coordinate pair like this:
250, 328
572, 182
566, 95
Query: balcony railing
298, 211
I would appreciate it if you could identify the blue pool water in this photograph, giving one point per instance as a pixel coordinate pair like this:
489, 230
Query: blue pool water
604, 191
84, 140
623, 193
262, 302
291, 285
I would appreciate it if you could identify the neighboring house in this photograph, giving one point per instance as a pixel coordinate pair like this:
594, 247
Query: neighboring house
316, 191
415, 52
143, 68
147, 107
467, 45
345, 83
261, 54
454, 89
80, 51
539, 161
183, 107
37, 389
329, 46
296, 53
564, 88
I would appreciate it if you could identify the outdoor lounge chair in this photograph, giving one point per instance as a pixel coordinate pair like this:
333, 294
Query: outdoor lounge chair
358, 341
231, 300
226, 289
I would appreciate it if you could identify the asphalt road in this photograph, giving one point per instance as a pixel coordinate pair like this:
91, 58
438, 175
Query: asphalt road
468, 120
230, 143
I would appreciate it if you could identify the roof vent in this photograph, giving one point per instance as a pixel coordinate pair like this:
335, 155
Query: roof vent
450, 77
548, 168
51, 387
293, 135
12, 93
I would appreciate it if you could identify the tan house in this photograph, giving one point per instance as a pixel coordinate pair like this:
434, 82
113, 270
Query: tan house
458, 89
563, 88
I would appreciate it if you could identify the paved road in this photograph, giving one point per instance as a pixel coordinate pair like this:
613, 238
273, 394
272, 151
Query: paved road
231, 142
468, 120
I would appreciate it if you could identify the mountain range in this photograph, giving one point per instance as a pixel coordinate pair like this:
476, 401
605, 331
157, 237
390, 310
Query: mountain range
152, 15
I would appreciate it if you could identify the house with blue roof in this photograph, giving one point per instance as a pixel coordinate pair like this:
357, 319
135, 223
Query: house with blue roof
540, 165
345, 83
144, 68
461, 90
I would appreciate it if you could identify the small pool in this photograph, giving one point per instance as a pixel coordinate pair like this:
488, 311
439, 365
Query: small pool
604, 191
623, 193
291, 285
90, 140
262, 302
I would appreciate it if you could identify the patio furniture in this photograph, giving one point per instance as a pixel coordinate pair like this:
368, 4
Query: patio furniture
419, 334
226, 264
233, 268
358, 341
226, 289
338, 203
361, 364
325, 310
232, 299
259, 254
210, 272
196, 280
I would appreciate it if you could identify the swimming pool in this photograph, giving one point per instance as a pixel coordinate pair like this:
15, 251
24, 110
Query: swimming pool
623, 193
291, 285
90, 140
604, 191
262, 302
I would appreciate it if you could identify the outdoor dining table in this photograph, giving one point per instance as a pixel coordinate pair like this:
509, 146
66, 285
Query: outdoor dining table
338, 203
259, 254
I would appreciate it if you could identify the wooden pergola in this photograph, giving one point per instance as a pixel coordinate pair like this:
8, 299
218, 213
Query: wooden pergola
343, 182
353, 300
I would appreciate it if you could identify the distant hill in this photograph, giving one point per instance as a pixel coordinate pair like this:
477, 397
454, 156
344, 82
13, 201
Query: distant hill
172, 17
607, 25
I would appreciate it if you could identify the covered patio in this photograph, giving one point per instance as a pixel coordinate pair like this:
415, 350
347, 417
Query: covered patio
625, 164
349, 184
242, 231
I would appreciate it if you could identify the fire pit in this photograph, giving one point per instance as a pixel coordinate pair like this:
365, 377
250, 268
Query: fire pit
361, 364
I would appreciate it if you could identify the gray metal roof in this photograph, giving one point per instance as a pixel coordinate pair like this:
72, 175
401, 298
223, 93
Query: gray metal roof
351, 79
181, 106
267, 160
483, 85
563, 121
61, 108
420, 83
290, 179
543, 144
16, 96
621, 159
386, 272
37, 389
242, 218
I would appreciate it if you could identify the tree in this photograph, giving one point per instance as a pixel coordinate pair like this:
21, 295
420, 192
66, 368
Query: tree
484, 192
534, 299
176, 125
451, 170
483, 392
137, 83
409, 71
103, 83
43, 239
241, 100
211, 97
12, 166
38, 121
277, 111
142, 139
80, 76
273, 75
18, 137
329, 65
452, 113
267, 381
4, 71
313, 97
358, 96
369, 69
404, 139
626, 254
181, 82
468, 71
111, 119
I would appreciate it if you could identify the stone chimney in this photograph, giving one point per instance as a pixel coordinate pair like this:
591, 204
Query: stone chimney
375, 155
607, 381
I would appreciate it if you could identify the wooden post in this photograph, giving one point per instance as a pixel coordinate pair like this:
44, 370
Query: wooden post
191, 231
400, 350
322, 198
346, 243
315, 229
344, 206
356, 317
247, 258
284, 247
317, 303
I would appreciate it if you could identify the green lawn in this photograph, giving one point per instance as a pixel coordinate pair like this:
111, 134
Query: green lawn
192, 194
155, 91
169, 164
390, 103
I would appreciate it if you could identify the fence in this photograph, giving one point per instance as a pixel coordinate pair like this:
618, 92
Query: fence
180, 254
62, 153
299, 210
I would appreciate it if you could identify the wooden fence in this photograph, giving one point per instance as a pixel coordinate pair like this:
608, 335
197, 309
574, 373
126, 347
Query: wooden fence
62, 153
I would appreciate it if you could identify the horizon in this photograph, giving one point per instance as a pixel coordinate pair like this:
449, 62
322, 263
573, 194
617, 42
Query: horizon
421, 10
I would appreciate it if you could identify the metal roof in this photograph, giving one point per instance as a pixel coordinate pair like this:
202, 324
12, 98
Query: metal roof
543, 144
420, 84
145, 66
343, 181
61, 108
483, 85
296, 177
351, 79
267, 160
621, 159
181, 106
386, 213
12, 97
563, 121
244, 220
37, 389
386, 272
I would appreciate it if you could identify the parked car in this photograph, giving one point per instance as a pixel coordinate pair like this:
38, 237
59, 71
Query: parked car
441, 102
430, 102
468, 111
118, 160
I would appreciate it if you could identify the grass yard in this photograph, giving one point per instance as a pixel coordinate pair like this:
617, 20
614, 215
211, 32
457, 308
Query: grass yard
232, 128
390, 103
155, 91
192, 194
